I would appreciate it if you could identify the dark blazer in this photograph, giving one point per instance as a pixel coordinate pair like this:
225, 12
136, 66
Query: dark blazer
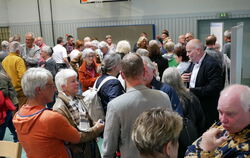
209, 83
51, 66
109, 90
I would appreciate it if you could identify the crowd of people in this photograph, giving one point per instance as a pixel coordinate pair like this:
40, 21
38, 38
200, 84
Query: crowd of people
159, 98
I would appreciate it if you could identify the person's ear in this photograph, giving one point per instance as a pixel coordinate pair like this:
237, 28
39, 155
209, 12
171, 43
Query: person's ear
122, 74
64, 88
168, 149
37, 90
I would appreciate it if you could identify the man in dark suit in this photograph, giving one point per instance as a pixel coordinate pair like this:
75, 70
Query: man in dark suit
49, 63
205, 79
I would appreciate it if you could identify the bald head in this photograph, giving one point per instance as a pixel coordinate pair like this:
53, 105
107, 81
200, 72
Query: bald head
195, 50
240, 93
234, 108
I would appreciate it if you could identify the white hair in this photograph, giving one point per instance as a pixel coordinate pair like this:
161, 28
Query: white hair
86, 52
86, 39
142, 52
14, 46
152, 42
5, 44
123, 47
244, 94
62, 77
34, 78
30, 34
47, 49
102, 44
227, 33
95, 43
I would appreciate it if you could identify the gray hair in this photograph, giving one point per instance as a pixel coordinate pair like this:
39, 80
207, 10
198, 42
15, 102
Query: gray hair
95, 43
142, 52
123, 47
5, 44
172, 77
152, 42
110, 61
34, 78
197, 44
14, 46
146, 60
62, 77
169, 46
244, 94
102, 44
47, 49
30, 34
87, 51
227, 34
86, 39
155, 128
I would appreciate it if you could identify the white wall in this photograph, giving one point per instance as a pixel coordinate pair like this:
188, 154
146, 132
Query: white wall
177, 16
3, 13
73, 10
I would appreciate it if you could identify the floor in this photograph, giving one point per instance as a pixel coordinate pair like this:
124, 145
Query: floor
9, 137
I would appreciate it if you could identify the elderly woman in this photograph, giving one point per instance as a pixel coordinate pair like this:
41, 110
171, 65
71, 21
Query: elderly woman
156, 133
41, 132
123, 47
102, 50
5, 50
112, 88
191, 104
88, 70
74, 110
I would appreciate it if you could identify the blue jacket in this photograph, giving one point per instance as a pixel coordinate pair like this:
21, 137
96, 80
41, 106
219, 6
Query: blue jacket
176, 105
110, 90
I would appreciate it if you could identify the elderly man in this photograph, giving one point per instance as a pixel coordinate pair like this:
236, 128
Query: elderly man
156, 133
30, 52
123, 110
42, 132
152, 82
15, 67
205, 79
231, 136
49, 63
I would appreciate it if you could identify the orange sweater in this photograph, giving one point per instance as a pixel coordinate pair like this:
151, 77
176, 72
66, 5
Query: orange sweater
86, 77
43, 133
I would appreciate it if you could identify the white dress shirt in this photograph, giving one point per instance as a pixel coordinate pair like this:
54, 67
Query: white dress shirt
195, 72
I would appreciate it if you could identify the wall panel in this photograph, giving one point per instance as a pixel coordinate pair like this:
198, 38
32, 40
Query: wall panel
176, 25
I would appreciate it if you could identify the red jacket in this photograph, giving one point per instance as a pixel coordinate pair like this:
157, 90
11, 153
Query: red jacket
5, 105
85, 77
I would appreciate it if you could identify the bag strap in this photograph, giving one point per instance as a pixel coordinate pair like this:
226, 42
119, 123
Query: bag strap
103, 81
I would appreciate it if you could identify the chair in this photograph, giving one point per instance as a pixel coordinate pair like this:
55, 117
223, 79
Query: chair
10, 149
